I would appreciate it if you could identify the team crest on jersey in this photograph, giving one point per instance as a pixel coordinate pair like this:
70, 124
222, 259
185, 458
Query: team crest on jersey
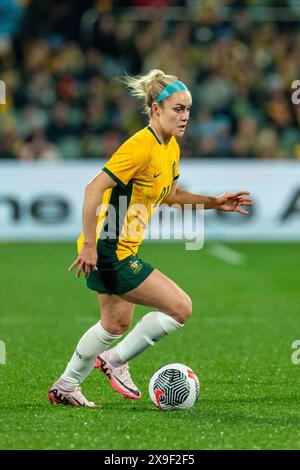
135, 266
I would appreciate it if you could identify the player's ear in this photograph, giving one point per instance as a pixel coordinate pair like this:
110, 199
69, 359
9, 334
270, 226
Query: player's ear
156, 109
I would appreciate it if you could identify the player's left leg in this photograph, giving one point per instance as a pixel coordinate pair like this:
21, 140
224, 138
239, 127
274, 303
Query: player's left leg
172, 307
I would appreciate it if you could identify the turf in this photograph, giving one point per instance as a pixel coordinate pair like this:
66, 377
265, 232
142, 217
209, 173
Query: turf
238, 340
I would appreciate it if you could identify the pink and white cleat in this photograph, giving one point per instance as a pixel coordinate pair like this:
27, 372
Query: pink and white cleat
57, 396
119, 377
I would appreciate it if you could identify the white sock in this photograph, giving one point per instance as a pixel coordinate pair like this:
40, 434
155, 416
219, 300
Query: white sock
150, 329
93, 342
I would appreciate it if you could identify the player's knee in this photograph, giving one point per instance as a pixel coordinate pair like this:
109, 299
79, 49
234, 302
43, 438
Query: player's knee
117, 327
183, 310
121, 329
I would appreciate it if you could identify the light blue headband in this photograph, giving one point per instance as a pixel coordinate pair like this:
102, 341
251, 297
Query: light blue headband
170, 89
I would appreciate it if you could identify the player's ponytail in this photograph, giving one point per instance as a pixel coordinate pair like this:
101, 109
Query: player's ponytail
148, 87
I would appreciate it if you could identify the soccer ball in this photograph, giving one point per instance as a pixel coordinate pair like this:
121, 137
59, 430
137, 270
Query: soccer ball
174, 387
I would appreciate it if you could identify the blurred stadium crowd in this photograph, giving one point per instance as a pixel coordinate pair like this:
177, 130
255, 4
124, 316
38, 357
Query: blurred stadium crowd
59, 61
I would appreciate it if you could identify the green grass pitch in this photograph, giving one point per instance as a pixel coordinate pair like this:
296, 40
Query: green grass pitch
238, 341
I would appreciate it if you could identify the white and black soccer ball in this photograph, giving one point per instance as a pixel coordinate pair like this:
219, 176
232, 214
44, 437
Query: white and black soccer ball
174, 387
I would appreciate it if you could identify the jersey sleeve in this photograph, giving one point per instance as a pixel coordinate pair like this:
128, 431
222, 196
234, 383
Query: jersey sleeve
126, 163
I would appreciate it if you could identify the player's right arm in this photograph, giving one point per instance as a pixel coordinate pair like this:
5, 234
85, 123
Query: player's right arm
93, 197
123, 165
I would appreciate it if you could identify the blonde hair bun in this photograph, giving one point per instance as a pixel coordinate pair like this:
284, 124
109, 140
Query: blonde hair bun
148, 86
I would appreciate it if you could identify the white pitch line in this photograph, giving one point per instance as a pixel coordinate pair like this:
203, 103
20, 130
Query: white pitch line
227, 254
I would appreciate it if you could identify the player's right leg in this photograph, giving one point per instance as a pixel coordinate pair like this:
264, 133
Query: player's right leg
116, 316
115, 319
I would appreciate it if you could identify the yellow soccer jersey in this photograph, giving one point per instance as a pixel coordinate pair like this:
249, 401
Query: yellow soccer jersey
144, 169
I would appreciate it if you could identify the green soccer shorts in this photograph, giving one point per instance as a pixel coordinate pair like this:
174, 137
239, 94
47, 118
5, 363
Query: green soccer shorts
118, 277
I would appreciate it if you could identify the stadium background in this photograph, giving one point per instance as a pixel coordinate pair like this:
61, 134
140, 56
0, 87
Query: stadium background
63, 115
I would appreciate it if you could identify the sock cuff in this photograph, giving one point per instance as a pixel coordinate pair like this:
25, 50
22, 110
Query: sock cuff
168, 323
105, 336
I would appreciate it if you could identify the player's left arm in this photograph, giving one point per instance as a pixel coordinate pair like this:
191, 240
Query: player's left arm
228, 202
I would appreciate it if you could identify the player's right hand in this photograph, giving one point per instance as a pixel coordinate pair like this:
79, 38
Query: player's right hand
86, 261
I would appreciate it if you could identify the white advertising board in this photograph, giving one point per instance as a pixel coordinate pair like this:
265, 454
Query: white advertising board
43, 201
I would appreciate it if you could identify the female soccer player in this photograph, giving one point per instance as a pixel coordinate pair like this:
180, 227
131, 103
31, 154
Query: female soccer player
139, 176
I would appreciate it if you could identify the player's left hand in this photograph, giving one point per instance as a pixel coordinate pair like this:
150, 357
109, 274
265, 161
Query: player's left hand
231, 202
